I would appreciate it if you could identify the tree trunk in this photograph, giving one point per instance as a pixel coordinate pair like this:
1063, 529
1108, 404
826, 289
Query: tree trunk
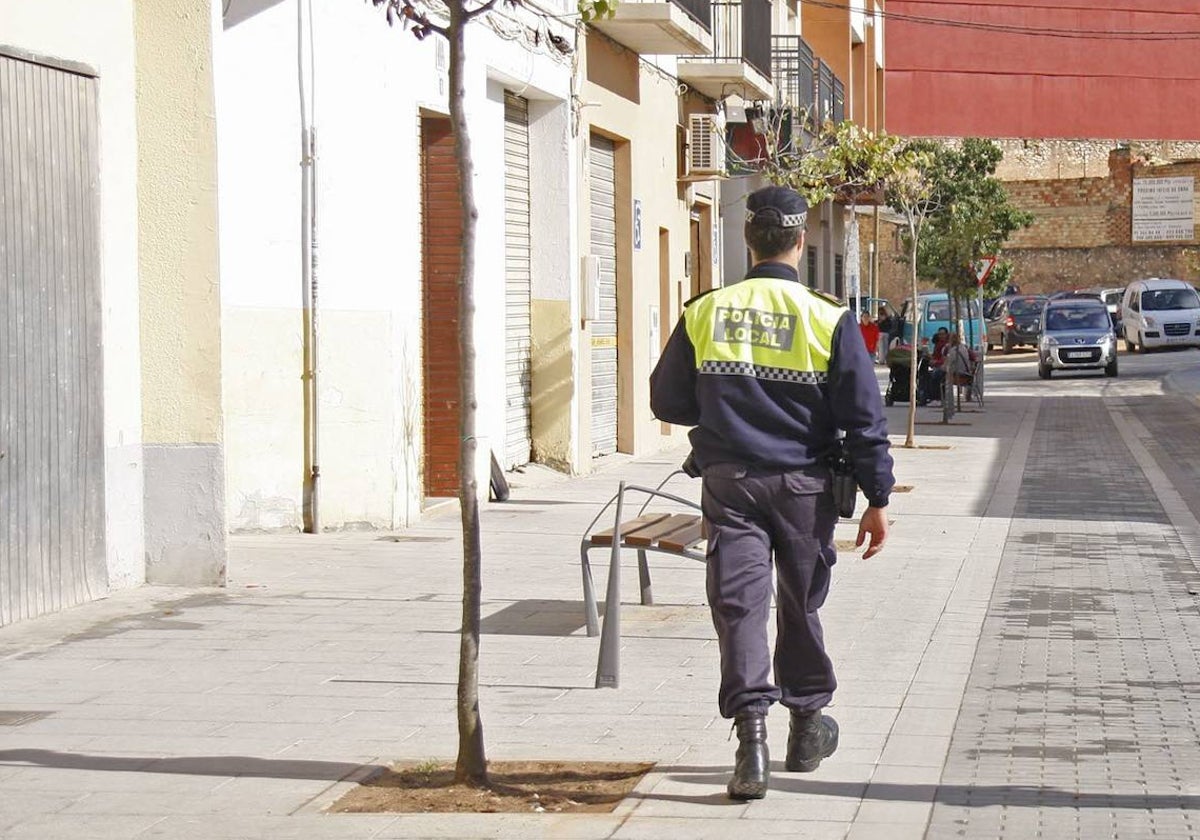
471, 765
910, 440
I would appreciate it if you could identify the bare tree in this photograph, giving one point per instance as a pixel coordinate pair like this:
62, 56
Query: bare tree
911, 193
413, 15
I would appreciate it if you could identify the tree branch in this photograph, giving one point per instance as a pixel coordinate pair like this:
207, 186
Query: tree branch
482, 10
407, 13
425, 22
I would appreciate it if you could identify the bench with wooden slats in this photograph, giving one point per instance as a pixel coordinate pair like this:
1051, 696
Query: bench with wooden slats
679, 534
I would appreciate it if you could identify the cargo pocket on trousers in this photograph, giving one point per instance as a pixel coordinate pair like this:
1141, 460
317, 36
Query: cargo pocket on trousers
822, 574
806, 484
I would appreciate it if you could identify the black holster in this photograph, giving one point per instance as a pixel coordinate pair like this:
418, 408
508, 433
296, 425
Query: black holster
844, 484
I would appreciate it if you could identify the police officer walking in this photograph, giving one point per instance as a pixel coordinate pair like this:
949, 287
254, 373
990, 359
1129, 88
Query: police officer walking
768, 371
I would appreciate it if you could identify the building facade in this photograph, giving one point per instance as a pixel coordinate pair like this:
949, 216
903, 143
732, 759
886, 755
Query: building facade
236, 307
340, 305
111, 450
1015, 69
827, 65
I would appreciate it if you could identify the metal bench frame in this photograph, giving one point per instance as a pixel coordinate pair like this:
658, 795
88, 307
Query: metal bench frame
608, 663
952, 386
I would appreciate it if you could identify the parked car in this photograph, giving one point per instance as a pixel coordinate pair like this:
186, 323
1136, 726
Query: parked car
1078, 294
1160, 312
936, 313
1076, 335
1015, 321
1112, 300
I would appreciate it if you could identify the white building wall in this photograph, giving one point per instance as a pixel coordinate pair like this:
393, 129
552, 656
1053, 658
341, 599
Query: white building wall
555, 218
100, 34
371, 84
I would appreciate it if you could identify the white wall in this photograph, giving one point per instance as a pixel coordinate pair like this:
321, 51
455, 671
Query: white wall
371, 84
99, 33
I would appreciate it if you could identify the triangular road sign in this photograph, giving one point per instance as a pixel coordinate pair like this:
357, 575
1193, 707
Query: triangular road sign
983, 269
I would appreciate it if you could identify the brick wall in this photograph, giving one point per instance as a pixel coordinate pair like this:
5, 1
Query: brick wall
1081, 235
1053, 269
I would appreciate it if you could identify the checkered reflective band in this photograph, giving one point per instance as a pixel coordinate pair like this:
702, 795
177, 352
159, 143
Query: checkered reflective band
785, 220
804, 377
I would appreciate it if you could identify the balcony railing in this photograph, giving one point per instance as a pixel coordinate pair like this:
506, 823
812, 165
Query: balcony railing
804, 84
831, 96
792, 66
741, 31
698, 10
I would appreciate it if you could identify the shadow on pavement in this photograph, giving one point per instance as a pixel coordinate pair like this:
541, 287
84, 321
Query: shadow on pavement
1028, 796
198, 765
535, 617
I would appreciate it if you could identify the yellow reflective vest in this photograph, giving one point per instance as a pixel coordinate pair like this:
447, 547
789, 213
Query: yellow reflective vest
767, 371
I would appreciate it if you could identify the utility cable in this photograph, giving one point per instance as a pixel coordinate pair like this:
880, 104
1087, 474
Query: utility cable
1032, 31
990, 4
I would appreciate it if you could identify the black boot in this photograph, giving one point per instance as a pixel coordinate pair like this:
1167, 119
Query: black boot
752, 765
813, 736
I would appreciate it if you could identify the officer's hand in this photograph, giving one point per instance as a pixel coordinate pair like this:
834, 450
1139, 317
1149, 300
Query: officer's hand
873, 522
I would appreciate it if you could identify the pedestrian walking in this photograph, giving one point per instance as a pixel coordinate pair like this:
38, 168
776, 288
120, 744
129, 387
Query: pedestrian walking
870, 333
768, 371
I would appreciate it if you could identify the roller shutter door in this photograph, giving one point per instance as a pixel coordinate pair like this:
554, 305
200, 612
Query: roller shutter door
51, 414
517, 278
440, 234
602, 170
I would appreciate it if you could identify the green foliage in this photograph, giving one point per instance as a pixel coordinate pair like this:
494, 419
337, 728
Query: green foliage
844, 161
591, 10
973, 217
1000, 277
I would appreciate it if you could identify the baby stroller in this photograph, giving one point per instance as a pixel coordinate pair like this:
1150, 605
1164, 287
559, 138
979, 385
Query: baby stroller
899, 361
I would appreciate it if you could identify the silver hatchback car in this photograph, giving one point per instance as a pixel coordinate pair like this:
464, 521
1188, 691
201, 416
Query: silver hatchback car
1077, 334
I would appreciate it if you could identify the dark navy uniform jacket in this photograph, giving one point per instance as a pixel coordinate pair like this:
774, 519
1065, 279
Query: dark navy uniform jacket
767, 371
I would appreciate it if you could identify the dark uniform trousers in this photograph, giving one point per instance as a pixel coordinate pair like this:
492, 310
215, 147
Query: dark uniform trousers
751, 516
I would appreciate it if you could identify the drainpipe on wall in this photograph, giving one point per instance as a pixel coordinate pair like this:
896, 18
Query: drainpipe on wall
308, 271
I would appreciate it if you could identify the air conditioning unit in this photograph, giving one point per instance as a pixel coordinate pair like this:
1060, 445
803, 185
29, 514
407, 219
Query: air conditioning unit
705, 146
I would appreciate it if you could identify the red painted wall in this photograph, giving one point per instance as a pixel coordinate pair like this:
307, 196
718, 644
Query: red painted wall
946, 80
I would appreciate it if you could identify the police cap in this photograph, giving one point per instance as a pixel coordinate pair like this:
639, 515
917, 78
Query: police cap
776, 207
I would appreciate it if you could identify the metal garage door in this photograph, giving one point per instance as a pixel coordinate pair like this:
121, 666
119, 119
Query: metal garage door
517, 275
604, 328
51, 413
441, 242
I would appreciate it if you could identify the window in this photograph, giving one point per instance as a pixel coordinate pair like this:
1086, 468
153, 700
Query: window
812, 267
1159, 300
1025, 306
1077, 319
937, 310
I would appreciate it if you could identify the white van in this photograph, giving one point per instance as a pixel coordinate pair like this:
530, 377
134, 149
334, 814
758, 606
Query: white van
1160, 313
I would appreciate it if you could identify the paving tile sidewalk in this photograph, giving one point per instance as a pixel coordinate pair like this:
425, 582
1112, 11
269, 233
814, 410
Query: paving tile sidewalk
236, 713
1081, 718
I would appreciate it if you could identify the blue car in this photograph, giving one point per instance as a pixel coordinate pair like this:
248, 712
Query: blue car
936, 313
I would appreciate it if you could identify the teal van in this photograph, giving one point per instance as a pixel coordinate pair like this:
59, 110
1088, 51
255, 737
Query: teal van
936, 314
